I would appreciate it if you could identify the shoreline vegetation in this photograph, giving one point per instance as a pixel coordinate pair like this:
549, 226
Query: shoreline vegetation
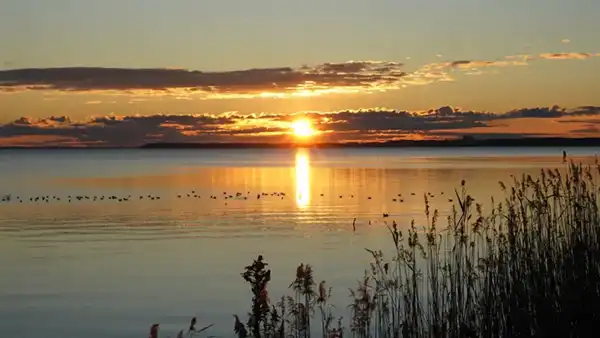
528, 267
466, 141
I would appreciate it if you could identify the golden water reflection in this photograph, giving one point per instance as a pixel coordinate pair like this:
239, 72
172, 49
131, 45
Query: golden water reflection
302, 178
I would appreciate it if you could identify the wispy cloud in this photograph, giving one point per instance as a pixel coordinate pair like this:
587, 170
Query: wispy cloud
340, 126
321, 79
566, 56
96, 102
470, 64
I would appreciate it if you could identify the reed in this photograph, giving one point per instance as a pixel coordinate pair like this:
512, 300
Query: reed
530, 266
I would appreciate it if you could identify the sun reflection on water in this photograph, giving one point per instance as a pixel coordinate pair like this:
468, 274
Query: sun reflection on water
302, 178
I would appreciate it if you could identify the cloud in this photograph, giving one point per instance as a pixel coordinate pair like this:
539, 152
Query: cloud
352, 75
39, 140
565, 41
566, 56
280, 82
470, 64
441, 71
97, 102
340, 126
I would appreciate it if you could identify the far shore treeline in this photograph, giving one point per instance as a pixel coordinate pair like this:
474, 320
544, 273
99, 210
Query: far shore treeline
467, 141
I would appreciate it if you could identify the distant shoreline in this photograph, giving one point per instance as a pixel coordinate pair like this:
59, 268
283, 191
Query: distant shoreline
541, 142
528, 142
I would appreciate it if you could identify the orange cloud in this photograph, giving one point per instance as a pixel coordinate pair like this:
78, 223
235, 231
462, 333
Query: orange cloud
566, 56
583, 126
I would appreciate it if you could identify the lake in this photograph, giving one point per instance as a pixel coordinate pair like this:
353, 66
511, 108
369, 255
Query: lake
105, 243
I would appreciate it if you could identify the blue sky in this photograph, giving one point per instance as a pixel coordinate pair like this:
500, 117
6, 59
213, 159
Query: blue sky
226, 36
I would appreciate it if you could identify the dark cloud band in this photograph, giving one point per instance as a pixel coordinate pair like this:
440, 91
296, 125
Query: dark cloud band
328, 77
363, 124
364, 74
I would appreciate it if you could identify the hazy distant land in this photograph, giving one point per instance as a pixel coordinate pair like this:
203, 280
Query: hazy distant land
464, 142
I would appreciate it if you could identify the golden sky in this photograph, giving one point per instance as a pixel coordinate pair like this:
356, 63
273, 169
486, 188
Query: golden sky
123, 74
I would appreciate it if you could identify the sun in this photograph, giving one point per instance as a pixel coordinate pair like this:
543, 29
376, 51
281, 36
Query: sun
302, 129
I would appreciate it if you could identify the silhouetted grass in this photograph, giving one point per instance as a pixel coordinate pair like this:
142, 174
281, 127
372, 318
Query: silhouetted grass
528, 267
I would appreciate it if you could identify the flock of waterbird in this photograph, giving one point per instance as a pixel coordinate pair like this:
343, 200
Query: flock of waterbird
46, 199
10, 198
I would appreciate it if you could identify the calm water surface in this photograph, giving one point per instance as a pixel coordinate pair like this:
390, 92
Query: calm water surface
104, 268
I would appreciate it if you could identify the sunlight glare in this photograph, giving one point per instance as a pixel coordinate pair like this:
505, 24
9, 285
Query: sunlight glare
303, 128
302, 178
